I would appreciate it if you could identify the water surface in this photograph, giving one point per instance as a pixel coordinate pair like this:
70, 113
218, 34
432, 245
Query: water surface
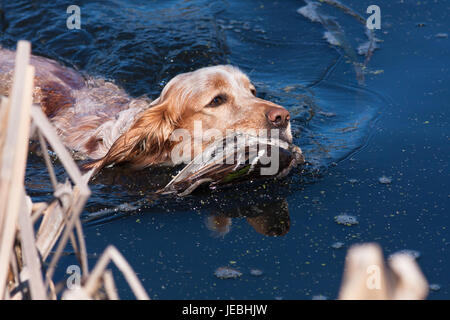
390, 120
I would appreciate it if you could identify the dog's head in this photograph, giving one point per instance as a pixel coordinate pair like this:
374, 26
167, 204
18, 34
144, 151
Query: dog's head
212, 100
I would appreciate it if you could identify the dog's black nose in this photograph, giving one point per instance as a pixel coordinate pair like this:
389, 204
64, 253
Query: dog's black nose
278, 116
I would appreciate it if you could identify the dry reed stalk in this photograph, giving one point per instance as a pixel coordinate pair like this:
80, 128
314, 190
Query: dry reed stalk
4, 111
112, 254
37, 210
21, 252
75, 208
110, 286
66, 217
367, 277
14, 155
31, 261
50, 228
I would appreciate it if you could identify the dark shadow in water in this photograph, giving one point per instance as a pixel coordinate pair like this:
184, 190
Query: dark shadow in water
270, 219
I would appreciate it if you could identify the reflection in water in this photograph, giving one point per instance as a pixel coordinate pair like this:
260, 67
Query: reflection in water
270, 219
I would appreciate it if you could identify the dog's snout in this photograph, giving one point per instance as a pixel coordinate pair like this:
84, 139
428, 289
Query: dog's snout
278, 116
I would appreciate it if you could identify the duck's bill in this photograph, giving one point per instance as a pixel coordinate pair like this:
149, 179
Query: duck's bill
237, 158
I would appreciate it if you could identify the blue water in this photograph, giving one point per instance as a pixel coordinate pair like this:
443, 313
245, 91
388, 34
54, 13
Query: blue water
392, 123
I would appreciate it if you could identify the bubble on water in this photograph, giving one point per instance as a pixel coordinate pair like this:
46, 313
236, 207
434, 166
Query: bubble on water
126, 207
346, 220
353, 181
435, 287
227, 273
337, 245
256, 272
385, 180
412, 253
320, 297
442, 35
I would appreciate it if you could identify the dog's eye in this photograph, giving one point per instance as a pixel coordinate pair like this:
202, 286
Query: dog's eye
253, 91
217, 100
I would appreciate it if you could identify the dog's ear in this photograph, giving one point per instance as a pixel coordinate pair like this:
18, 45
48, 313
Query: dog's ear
147, 141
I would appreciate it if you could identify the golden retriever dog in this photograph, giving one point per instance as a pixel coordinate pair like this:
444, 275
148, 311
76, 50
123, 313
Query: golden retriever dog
98, 121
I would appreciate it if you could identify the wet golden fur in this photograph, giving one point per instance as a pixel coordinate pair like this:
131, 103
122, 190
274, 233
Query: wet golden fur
100, 122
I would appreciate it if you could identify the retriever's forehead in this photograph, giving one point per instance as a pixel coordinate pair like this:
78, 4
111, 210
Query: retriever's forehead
217, 77
221, 75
